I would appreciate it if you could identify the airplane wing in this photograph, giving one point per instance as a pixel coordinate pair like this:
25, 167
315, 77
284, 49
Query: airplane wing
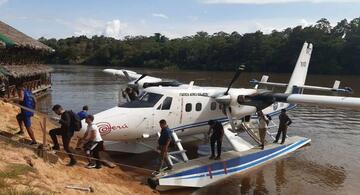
126, 74
133, 78
327, 101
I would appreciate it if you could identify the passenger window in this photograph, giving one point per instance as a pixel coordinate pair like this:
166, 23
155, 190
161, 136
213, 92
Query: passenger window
198, 106
166, 105
188, 107
213, 106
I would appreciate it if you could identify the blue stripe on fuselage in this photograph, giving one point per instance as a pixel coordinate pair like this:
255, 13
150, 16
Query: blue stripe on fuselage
225, 119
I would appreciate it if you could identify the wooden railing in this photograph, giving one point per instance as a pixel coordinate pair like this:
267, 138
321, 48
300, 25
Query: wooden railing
30, 85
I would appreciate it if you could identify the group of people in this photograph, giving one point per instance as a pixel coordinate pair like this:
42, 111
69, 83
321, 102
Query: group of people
284, 122
69, 123
217, 133
93, 143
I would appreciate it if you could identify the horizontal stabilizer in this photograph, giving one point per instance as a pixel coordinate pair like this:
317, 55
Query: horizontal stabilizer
335, 88
336, 85
264, 78
256, 82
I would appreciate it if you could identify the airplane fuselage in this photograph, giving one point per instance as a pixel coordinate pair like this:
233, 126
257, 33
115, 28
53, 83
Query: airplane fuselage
186, 108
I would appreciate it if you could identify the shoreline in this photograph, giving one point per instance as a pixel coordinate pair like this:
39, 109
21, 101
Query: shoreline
44, 177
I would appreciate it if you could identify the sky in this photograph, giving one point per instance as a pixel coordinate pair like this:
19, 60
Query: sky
173, 18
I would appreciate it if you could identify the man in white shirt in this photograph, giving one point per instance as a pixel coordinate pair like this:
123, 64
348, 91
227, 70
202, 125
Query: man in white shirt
263, 125
94, 142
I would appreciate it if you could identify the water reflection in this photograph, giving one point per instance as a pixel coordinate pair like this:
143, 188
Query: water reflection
280, 177
260, 184
289, 174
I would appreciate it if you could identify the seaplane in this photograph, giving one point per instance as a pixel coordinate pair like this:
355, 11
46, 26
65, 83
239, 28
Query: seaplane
133, 126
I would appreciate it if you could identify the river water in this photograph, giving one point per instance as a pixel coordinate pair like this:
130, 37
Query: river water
329, 165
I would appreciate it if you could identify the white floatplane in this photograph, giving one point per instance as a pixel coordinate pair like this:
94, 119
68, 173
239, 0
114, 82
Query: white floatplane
133, 126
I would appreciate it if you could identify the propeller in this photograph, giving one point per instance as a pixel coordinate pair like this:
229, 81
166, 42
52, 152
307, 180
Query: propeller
236, 76
225, 99
135, 84
141, 77
127, 75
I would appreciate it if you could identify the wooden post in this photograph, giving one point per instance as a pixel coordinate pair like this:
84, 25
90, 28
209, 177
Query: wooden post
43, 128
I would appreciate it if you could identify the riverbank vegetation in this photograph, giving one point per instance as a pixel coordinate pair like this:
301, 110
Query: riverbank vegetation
336, 50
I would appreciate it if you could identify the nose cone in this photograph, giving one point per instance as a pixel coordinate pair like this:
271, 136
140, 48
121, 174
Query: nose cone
117, 123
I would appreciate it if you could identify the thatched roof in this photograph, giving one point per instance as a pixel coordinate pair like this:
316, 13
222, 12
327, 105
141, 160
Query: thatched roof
18, 71
10, 37
3, 72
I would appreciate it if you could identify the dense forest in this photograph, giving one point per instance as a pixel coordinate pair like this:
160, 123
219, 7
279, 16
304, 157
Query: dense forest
336, 50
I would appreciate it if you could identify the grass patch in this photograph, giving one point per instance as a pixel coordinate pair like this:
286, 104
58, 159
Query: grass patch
12, 191
12, 128
10, 143
14, 170
3, 183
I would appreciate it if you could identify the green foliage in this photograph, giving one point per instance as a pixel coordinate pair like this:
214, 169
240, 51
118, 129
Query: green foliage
336, 50
13, 171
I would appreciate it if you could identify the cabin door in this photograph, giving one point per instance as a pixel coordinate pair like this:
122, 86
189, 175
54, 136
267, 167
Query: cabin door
167, 111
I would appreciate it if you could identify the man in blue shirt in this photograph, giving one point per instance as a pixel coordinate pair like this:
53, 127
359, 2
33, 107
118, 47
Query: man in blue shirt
84, 113
26, 99
164, 142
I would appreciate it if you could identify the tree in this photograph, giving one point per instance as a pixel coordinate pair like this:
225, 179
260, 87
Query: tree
336, 49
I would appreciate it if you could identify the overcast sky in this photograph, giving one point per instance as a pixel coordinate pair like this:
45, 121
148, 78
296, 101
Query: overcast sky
174, 18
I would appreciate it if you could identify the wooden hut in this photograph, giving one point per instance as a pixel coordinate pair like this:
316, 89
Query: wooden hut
20, 62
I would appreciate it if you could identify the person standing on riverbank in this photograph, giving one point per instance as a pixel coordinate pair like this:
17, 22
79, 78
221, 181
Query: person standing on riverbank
25, 99
66, 131
94, 143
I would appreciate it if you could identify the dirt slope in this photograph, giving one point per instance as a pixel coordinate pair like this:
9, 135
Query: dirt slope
18, 176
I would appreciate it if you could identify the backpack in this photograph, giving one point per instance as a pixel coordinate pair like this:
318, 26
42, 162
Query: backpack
75, 121
29, 102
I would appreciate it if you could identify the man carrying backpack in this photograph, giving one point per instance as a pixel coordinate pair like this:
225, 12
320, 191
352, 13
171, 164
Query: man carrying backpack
26, 99
69, 124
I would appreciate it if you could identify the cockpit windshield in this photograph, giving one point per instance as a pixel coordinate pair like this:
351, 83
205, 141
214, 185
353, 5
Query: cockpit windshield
147, 100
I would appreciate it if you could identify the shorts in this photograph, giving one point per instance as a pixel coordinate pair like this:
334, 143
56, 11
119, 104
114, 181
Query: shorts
90, 146
21, 117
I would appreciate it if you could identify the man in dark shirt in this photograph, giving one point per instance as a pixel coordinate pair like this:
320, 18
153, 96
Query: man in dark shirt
164, 142
285, 121
130, 94
66, 131
216, 137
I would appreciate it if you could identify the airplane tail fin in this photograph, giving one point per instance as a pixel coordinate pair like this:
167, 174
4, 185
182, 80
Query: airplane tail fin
299, 74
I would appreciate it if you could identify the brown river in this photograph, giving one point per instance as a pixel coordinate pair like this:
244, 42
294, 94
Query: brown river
329, 165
